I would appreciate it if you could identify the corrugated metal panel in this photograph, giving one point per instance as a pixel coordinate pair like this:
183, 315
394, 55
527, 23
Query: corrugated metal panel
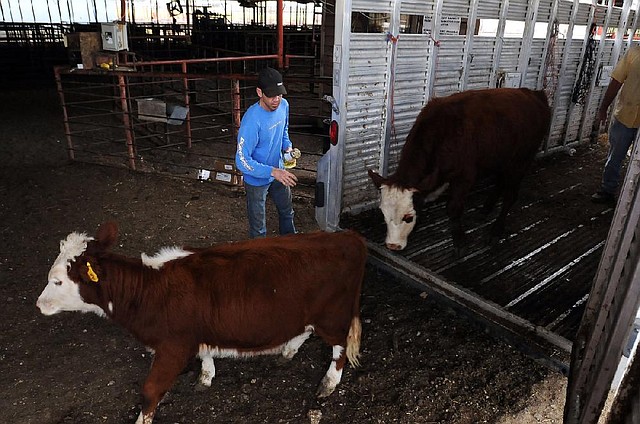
417, 7
584, 11
481, 63
544, 10
571, 72
372, 6
517, 10
536, 63
366, 110
457, 8
409, 90
448, 68
510, 56
616, 14
564, 11
489, 9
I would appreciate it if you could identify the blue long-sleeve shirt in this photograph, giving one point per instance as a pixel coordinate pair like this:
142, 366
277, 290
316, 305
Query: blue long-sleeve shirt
262, 138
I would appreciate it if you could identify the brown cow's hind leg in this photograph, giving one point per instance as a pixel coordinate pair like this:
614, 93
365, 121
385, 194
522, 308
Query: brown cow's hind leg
509, 195
166, 367
334, 373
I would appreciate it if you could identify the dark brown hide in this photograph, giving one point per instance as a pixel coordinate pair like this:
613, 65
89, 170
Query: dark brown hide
251, 296
465, 136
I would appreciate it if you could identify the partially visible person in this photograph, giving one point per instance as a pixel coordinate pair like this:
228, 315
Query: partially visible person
262, 140
625, 84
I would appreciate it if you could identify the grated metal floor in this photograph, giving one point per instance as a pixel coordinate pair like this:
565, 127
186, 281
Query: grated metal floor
539, 274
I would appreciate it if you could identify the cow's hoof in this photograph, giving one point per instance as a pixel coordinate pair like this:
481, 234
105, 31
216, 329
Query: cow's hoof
199, 387
493, 239
459, 252
282, 360
288, 354
324, 392
325, 388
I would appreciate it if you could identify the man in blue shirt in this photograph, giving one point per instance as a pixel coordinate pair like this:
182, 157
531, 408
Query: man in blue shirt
262, 140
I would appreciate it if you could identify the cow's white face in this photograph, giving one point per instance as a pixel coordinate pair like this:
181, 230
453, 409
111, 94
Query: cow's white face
397, 207
62, 293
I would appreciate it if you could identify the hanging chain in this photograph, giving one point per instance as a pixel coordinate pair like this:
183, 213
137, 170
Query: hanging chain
587, 69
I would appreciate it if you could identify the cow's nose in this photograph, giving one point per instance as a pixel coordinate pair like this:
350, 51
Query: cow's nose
394, 246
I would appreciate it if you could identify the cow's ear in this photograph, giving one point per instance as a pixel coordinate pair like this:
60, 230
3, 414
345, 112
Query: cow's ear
107, 235
86, 269
89, 270
377, 179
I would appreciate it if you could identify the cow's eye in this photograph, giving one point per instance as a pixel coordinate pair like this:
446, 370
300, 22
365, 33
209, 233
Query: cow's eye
57, 283
407, 218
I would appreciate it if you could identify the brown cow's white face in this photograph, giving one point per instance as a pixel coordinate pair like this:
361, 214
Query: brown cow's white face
62, 293
396, 205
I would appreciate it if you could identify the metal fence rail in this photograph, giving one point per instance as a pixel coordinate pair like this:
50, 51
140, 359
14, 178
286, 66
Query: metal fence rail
176, 121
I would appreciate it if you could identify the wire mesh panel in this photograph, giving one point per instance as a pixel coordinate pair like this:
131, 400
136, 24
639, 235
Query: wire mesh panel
177, 125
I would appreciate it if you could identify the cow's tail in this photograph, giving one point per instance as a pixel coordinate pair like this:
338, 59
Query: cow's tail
353, 342
355, 329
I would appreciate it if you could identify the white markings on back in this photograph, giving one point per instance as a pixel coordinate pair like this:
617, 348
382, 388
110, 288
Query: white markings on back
163, 256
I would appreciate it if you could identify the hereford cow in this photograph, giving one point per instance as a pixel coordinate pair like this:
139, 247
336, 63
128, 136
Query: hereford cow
263, 296
454, 141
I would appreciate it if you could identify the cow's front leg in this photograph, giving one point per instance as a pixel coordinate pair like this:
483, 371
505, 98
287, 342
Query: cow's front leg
167, 365
457, 234
334, 373
455, 208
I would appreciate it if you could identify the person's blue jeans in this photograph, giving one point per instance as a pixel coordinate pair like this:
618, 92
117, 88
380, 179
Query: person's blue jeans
256, 208
620, 139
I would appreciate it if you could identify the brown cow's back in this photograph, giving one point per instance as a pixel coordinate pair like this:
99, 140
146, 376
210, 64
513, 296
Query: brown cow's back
262, 283
484, 131
456, 140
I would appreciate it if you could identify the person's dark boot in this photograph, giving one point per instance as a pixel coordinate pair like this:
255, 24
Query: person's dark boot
602, 197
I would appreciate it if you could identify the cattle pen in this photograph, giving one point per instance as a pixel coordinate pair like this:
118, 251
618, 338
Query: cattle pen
562, 285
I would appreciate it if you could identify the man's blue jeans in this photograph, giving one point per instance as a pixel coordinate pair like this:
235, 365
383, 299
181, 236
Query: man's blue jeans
620, 139
256, 208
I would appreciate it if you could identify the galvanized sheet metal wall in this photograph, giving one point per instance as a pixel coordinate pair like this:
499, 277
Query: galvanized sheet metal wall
409, 90
390, 81
367, 92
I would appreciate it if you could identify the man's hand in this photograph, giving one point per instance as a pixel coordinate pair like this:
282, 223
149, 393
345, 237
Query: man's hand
602, 115
284, 176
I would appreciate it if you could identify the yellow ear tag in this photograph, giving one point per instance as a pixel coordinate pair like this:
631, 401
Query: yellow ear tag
91, 273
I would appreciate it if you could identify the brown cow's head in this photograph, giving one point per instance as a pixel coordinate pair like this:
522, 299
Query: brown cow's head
76, 270
396, 204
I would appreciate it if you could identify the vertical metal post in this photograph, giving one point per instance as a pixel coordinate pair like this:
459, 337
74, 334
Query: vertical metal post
280, 26
126, 121
235, 94
185, 80
67, 129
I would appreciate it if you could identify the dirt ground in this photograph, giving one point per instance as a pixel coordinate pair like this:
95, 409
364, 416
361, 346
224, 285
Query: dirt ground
421, 362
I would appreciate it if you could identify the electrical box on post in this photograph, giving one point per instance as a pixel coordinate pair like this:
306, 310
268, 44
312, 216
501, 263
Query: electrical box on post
114, 36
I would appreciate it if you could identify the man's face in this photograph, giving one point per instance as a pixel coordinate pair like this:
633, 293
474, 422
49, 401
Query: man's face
269, 103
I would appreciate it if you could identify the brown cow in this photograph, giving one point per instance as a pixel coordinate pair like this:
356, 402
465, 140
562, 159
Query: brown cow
454, 141
263, 296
